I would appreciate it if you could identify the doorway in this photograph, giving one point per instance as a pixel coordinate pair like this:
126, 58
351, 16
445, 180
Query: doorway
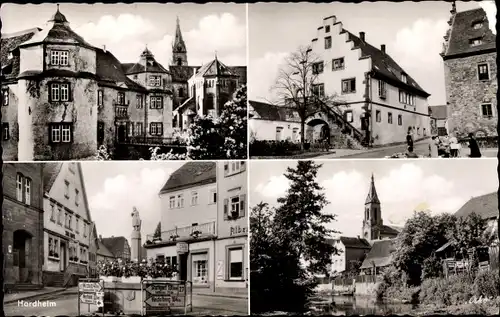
183, 260
22, 250
63, 256
122, 133
100, 132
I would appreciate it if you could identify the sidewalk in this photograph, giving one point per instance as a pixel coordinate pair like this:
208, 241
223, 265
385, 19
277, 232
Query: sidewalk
209, 293
14, 297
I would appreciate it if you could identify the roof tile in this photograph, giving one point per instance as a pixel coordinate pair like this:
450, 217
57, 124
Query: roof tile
189, 175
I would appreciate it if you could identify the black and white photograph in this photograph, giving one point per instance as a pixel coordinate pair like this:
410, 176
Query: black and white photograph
136, 81
372, 80
132, 238
379, 237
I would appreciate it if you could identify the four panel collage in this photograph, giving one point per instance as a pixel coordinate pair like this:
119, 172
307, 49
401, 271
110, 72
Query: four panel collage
250, 159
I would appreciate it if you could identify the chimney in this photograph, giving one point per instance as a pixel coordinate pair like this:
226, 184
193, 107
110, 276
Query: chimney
104, 48
382, 48
362, 36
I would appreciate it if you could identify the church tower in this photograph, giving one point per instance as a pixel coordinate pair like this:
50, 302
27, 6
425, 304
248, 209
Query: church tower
179, 51
372, 222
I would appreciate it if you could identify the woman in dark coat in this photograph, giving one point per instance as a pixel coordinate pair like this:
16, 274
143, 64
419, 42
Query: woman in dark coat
474, 147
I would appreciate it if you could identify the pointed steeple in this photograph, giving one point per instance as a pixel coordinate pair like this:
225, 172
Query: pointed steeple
179, 46
372, 194
58, 17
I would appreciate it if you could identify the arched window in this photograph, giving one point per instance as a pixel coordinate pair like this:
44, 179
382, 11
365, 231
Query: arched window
181, 92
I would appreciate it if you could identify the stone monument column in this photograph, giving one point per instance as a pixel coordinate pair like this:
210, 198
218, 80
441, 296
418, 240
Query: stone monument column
136, 244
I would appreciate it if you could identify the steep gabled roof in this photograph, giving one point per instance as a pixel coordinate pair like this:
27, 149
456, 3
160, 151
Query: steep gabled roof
380, 254
84, 192
110, 71
103, 250
439, 112
9, 43
50, 172
215, 68
58, 32
178, 46
355, 243
266, 111
485, 206
372, 196
392, 230
150, 65
384, 67
189, 175
116, 245
182, 73
462, 32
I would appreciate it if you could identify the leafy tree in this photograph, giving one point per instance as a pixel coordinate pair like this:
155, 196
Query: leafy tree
157, 233
467, 233
205, 141
420, 237
353, 268
297, 84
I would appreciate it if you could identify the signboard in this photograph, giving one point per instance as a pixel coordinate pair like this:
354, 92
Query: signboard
87, 298
89, 287
237, 230
220, 270
161, 296
182, 247
90, 292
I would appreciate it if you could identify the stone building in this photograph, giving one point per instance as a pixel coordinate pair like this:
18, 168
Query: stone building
470, 71
439, 120
22, 236
62, 97
270, 122
204, 227
67, 224
119, 247
351, 250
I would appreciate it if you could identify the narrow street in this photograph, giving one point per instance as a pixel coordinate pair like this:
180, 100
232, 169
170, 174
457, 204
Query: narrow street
66, 304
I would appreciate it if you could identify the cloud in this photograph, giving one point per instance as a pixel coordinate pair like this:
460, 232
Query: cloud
127, 35
421, 44
491, 12
269, 64
274, 187
111, 208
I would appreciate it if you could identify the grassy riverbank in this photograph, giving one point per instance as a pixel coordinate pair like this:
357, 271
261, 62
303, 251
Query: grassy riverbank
488, 308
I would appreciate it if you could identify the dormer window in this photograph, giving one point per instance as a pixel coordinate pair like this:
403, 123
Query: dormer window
404, 78
477, 25
155, 81
59, 58
476, 41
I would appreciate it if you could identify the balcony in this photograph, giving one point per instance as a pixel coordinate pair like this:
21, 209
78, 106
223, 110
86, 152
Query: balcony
203, 230
121, 112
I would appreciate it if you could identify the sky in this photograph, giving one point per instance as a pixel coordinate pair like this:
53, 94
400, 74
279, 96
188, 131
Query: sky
126, 29
402, 186
412, 32
115, 188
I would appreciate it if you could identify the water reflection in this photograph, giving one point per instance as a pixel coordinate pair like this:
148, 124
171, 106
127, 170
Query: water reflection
351, 305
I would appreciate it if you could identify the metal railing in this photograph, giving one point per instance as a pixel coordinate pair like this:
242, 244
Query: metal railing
121, 112
152, 140
201, 230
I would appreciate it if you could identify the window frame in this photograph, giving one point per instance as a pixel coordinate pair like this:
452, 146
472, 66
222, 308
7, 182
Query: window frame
100, 97
349, 82
278, 132
5, 97
378, 116
120, 98
318, 68
194, 198
400, 120
56, 91
64, 133
5, 131
485, 116
156, 102
479, 74
349, 116
389, 118
341, 63
319, 90
230, 249
328, 42
156, 127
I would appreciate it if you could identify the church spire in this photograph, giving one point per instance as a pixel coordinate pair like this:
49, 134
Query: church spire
372, 194
179, 51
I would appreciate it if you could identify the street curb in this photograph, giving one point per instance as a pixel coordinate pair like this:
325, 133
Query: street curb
221, 295
33, 296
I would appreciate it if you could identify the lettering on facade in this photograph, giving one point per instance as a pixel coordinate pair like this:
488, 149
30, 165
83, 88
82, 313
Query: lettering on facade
182, 248
237, 230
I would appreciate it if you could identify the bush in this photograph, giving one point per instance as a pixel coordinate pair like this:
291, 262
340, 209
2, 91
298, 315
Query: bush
457, 289
274, 148
487, 284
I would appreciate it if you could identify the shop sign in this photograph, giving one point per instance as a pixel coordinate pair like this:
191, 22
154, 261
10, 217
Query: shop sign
182, 247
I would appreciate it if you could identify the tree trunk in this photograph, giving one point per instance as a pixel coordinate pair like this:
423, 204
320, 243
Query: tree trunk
302, 132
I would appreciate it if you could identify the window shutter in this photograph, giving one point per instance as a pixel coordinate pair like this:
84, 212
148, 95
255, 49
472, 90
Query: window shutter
70, 95
161, 128
50, 92
242, 206
226, 209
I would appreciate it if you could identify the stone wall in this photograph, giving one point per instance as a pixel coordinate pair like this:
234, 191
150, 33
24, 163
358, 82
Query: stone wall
366, 289
465, 94
9, 115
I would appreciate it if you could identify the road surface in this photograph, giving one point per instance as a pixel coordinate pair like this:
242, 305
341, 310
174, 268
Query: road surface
65, 304
420, 148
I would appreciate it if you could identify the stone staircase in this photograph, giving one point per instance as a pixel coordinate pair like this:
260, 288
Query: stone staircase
56, 279
25, 287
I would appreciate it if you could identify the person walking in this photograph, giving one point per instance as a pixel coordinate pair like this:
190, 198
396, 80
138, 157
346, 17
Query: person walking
454, 146
474, 147
433, 147
409, 138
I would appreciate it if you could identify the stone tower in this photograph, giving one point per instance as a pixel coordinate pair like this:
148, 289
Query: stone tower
179, 51
372, 221
136, 245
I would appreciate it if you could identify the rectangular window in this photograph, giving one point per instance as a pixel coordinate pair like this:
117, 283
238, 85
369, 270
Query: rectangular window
27, 191
5, 97
327, 29
348, 116
318, 90
180, 201
378, 116
194, 198
156, 102
338, 63
55, 57
213, 196
382, 90
486, 110
64, 58
59, 216
236, 264
400, 119
201, 269
60, 92
477, 25
138, 101
404, 78
70, 222
77, 197
317, 68
19, 188
84, 229
156, 128
172, 202
66, 189
52, 213
99, 98
60, 133
475, 42
77, 225
328, 42
130, 128
279, 130
483, 72
64, 92
5, 131
155, 81
54, 88
349, 85
121, 98
389, 118
138, 128
235, 207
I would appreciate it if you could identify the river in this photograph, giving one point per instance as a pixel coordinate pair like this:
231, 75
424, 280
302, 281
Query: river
357, 305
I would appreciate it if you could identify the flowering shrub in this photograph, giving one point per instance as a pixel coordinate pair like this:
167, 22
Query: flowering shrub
127, 269
487, 284
103, 154
274, 148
